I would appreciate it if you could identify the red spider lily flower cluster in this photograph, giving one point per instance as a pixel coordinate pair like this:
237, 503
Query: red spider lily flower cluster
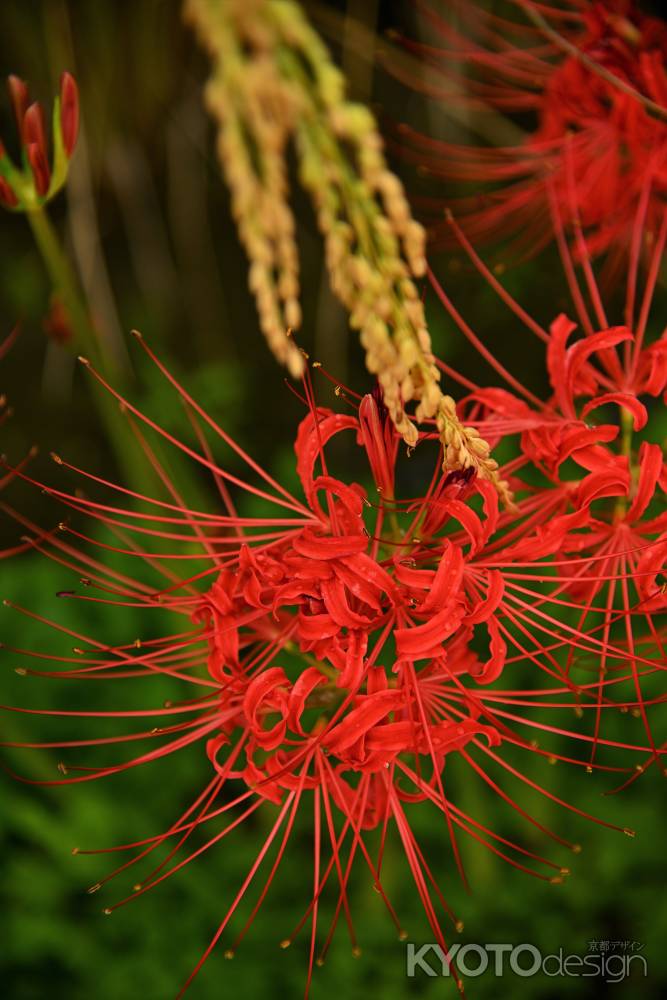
594, 76
601, 501
344, 648
39, 179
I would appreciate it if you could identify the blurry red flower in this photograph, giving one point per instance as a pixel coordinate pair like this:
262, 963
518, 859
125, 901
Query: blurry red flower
593, 75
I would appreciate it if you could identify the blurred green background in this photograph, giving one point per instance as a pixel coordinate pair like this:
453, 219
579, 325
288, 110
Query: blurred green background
146, 221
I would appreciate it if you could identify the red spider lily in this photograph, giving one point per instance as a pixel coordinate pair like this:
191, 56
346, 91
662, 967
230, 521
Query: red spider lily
602, 499
332, 648
594, 76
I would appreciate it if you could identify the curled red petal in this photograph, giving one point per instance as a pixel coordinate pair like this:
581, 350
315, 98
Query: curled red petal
652, 563
423, 641
614, 482
304, 686
652, 374
494, 595
470, 523
314, 432
492, 668
371, 710
374, 575
350, 573
312, 628
351, 497
317, 546
255, 778
581, 437
447, 579
625, 400
579, 353
264, 685
560, 330
337, 604
351, 676
650, 468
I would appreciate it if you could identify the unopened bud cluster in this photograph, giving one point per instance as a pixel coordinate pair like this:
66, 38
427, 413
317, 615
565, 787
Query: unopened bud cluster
274, 82
40, 176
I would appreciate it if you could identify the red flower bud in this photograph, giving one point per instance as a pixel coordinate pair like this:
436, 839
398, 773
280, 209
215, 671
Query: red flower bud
69, 111
20, 98
34, 128
7, 196
380, 442
40, 168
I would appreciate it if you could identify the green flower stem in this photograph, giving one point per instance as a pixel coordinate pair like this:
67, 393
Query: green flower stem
627, 426
87, 342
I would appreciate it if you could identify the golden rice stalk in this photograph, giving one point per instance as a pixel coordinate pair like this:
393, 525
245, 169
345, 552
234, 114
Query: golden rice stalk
273, 83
